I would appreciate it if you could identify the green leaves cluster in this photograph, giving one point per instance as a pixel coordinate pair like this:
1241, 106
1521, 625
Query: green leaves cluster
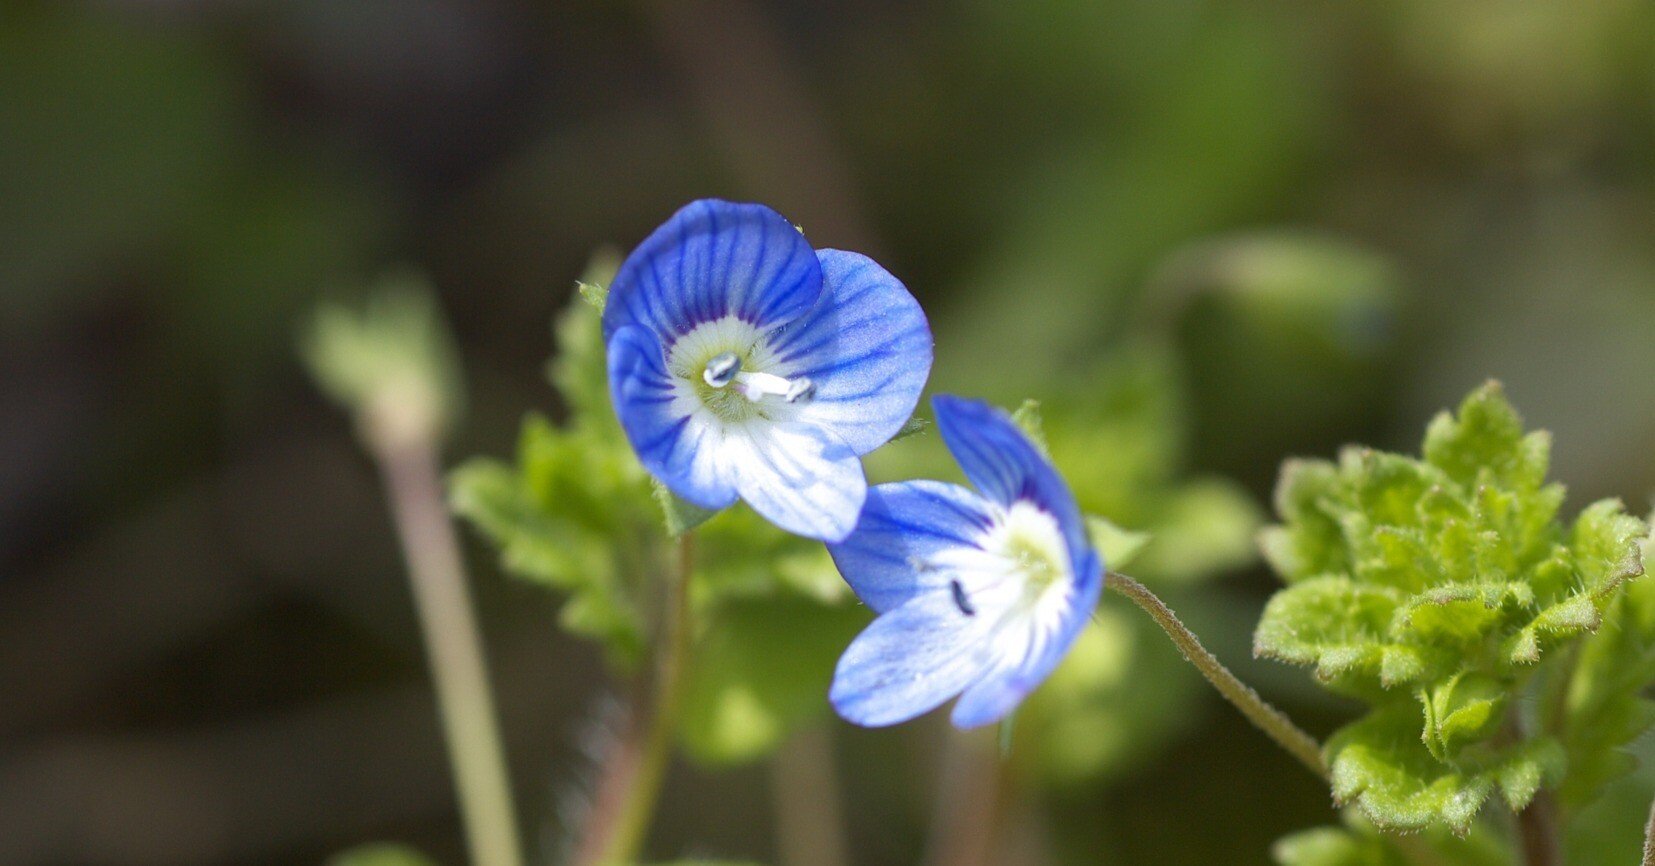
1436, 590
576, 512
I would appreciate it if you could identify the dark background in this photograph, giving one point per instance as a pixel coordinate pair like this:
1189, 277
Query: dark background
207, 652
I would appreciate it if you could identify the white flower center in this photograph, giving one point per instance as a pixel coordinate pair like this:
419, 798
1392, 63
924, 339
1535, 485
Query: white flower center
1021, 572
727, 367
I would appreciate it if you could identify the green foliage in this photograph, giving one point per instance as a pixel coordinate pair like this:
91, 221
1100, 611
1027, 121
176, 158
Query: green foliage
1380, 764
1603, 707
381, 854
578, 513
1359, 844
1435, 589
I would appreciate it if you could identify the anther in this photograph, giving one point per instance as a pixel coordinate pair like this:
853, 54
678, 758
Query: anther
722, 369
960, 599
801, 389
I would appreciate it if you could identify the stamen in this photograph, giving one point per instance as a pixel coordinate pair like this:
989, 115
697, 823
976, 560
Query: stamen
801, 389
757, 386
722, 369
960, 599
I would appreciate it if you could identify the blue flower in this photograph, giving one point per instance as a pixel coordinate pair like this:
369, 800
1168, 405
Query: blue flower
979, 593
743, 363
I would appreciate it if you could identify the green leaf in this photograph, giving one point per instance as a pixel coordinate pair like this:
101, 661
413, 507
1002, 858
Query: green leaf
1451, 576
1603, 708
381, 854
1343, 629
761, 670
914, 426
1119, 546
1379, 765
1027, 417
1359, 844
1334, 846
680, 516
575, 513
580, 370
1464, 709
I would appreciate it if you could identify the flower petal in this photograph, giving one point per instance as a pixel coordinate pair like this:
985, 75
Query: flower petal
714, 259
909, 661
1006, 466
905, 531
798, 476
1025, 657
866, 346
675, 443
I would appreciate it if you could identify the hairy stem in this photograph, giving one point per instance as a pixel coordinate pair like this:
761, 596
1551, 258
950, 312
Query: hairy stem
1649, 838
616, 832
454, 646
1267, 718
1537, 831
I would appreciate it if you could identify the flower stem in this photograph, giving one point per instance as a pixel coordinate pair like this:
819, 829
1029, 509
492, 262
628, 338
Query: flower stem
458, 670
1537, 831
804, 785
1267, 718
616, 836
1649, 838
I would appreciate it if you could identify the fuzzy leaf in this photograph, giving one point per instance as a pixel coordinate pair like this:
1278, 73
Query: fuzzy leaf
1379, 764
1451, 575
1342, 629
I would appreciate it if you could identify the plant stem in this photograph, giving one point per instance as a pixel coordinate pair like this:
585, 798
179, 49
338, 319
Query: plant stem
970, 813
1267, 718
458, 670
1649, 838
1537, 831
804, 786
615, 836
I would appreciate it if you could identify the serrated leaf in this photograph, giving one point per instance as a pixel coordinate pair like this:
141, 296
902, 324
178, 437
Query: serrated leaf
1451, 574
1485, 444
1603, 708
1118, 545
1379, 764
1342, 629
575, 513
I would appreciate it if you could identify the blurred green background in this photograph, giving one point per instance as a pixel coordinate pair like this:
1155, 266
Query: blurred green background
1206, 235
